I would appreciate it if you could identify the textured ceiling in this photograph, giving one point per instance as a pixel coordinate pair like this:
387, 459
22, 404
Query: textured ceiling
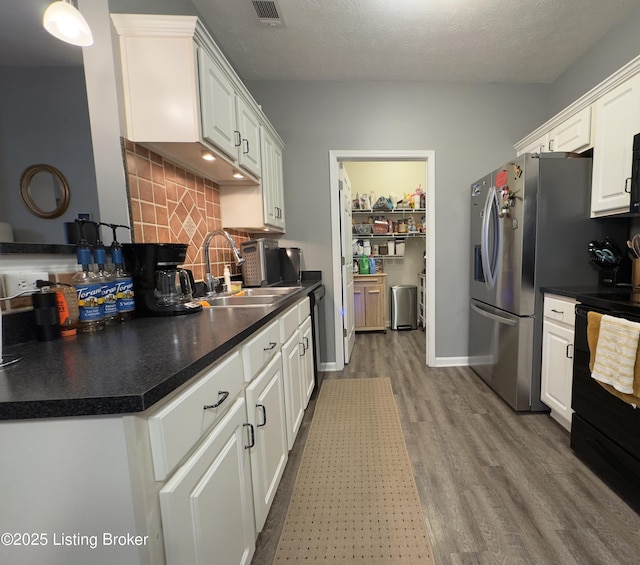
506, 41
445, 40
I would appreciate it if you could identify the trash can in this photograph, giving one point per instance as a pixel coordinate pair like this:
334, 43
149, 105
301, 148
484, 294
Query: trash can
404, 310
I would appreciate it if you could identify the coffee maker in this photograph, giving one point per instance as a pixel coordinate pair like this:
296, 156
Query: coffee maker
161, 288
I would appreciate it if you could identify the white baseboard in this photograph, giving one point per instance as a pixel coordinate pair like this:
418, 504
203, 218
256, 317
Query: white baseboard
452, 361
328, 367
440, 362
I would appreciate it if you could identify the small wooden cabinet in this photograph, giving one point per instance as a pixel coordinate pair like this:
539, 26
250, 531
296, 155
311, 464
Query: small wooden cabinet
557, 357
370, 302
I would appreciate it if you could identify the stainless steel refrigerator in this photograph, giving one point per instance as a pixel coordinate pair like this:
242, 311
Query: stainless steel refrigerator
530, 228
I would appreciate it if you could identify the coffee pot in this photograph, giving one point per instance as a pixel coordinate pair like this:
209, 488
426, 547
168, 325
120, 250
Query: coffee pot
161, 287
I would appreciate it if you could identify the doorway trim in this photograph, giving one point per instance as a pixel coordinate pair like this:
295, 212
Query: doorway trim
340, 156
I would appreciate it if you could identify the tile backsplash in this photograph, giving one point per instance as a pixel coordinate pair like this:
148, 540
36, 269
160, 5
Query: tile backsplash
171, 204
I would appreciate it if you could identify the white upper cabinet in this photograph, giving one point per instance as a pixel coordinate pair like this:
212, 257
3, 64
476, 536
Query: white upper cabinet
228, 122
617, 120
248, 137
218, 105
538, 145
259, 208
572, 134
180, 96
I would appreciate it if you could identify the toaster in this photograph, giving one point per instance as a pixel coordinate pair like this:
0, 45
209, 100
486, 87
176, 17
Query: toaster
261, 265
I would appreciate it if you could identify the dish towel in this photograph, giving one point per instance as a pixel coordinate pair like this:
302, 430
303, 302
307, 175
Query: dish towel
616, 353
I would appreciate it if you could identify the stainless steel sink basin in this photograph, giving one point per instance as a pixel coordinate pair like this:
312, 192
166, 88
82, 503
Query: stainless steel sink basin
270, 291
263, 296
241, 300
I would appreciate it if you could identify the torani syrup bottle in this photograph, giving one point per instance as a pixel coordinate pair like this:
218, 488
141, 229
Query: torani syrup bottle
124, 283
88, 289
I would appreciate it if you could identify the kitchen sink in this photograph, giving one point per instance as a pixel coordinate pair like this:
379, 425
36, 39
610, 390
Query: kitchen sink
269, 291
247, 297
231, 300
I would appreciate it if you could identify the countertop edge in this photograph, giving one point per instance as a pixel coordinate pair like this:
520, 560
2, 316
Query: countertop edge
136, 403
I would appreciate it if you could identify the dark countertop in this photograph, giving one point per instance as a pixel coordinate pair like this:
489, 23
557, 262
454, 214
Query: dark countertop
573, 291
47, 248
126, 367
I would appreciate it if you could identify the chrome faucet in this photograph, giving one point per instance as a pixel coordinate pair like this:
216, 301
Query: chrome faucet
210, 280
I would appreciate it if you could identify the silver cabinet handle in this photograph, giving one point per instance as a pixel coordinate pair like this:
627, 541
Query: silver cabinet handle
301, 349
627, 188
271, 345
238, 136
246, 144
264, 415
551, 145
224, 395
557, 311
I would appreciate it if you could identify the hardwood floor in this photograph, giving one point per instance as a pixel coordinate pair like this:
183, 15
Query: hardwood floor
496, 487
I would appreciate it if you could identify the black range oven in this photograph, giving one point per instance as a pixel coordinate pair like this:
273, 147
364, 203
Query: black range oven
605, 431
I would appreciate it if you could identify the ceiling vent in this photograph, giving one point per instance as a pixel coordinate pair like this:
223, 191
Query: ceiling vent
268, 13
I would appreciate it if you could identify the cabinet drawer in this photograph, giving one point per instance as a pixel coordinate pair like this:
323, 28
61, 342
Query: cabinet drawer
259, 350
560, 309
289, 322
304, 310
180, 424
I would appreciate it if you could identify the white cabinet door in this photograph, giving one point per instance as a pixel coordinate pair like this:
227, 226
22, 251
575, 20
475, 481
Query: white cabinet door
277, 190
266, 413
249, 135
573, 134
207, 505
617, 120
217, 106
307, 361
540, 145
292, 351
557, 370
272, 184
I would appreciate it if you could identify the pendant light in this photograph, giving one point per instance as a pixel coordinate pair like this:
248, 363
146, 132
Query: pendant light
63, 20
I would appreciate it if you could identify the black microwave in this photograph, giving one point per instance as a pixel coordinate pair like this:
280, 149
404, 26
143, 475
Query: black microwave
634, 189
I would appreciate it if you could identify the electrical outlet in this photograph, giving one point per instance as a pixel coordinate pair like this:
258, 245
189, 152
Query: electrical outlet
17, 282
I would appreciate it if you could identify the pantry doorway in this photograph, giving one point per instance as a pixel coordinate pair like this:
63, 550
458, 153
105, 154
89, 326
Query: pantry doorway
341, 256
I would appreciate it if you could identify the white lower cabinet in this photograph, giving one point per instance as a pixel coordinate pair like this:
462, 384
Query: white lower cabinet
293, 386
266, 414
192, 476
297, 364
207, 505
557, 358
306, 361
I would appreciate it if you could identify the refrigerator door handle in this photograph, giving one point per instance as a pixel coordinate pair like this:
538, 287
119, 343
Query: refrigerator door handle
495, 317
489, 265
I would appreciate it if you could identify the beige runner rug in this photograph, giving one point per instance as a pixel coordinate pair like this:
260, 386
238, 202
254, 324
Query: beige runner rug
355, 498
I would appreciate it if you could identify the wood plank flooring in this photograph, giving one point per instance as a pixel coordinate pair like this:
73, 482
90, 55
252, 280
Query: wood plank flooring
495, 486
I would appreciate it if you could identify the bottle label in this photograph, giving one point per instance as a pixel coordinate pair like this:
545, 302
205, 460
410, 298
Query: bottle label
63, 308
90, 301
109, 291
124, 295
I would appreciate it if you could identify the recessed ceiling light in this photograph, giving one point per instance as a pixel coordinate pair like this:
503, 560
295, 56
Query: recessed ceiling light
207, 155
238, 176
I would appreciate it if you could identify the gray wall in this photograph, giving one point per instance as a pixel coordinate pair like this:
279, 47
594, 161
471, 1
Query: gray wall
472, 129
618, 47
44, 119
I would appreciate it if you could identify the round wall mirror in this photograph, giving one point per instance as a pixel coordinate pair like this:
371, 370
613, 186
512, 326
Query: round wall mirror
44, 191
